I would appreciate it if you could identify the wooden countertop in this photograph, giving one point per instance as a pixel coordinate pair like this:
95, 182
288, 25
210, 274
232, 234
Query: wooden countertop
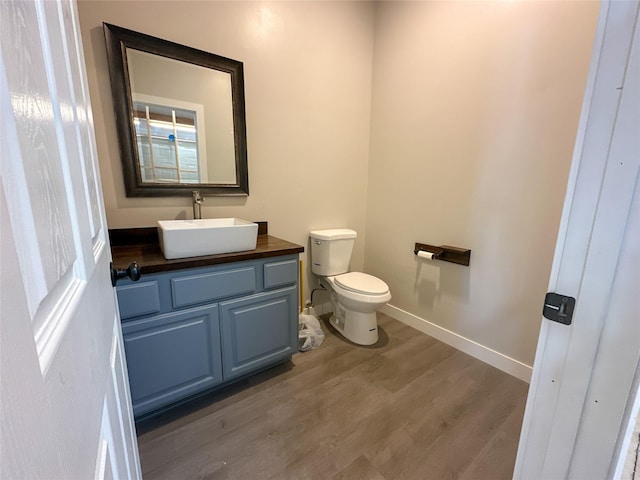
143, 247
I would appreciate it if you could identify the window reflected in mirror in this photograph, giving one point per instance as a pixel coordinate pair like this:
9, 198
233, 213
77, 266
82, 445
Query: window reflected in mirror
168, 144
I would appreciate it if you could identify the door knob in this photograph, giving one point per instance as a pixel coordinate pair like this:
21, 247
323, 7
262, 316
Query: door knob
132, 271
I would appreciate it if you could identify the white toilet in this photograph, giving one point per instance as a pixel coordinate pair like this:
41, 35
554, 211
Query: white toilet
355, 296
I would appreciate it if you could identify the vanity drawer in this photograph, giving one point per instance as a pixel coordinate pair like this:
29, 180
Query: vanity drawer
208, 287
138, 299
278, 274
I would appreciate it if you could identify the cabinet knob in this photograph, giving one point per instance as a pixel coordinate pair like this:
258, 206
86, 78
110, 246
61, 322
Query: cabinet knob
132, 271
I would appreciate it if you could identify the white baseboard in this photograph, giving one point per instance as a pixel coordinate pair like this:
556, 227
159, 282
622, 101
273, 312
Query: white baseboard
482, 353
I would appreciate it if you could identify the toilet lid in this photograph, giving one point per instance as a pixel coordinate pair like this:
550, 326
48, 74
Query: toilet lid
362, 282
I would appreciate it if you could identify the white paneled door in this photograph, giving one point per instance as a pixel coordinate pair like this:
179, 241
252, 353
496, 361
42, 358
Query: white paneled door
583, 397
65, 402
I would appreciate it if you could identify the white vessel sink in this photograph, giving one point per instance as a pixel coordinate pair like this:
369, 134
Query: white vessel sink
208, 236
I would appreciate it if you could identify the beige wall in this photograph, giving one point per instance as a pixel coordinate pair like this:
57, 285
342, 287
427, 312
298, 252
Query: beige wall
308, 94
474, 116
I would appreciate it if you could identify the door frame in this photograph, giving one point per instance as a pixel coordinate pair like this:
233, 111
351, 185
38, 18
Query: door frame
568, 399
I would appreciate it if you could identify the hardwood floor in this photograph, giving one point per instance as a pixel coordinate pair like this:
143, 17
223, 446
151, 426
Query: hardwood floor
410, 407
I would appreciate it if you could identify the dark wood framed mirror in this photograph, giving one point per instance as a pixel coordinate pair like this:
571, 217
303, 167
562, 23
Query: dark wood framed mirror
180, 117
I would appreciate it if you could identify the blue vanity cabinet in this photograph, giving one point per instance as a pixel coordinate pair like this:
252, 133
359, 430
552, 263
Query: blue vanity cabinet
191, 330
258, 331
172, 356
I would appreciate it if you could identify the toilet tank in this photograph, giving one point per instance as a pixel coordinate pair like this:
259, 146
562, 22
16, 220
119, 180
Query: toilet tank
331, 250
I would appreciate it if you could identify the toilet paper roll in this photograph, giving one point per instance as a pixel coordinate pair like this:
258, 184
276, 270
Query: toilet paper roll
427, 255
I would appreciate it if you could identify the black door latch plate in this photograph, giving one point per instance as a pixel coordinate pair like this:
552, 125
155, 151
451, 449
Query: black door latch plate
558, 308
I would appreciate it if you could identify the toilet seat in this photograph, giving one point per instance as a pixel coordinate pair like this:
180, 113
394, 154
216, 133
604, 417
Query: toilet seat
359, 282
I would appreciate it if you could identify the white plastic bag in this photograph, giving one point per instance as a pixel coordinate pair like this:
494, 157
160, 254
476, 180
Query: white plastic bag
310, 333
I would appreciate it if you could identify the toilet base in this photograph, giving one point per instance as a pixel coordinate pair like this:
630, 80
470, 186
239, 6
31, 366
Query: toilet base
360, 328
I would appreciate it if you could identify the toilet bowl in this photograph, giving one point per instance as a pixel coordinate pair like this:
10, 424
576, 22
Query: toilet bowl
355, 296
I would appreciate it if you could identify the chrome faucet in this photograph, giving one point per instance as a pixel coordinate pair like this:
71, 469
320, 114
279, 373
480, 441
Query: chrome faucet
197, 203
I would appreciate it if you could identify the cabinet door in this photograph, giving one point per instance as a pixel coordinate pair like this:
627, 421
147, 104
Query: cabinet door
172, 356
258, 331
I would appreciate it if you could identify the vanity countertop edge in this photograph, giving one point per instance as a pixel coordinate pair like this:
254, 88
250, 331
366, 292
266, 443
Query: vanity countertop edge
142, 245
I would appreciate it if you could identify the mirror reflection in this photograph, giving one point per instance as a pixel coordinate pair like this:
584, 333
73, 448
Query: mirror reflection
183, 112
179, 110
